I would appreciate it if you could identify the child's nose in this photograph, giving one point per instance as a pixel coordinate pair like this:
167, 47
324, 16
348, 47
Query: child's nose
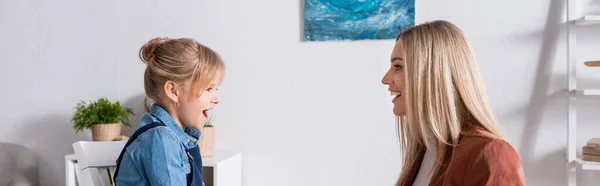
215, 100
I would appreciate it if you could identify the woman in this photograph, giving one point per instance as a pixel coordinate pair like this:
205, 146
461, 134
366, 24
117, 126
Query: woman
449, 135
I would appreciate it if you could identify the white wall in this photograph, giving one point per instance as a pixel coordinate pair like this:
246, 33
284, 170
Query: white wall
302, 113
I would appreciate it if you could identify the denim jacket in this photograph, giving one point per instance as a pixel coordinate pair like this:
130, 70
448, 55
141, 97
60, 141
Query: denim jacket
158, 156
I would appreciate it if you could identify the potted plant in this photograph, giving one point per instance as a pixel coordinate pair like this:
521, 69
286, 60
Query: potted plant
103, 117
207, 138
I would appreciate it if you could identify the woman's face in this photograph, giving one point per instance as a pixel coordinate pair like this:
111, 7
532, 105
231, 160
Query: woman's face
394, 79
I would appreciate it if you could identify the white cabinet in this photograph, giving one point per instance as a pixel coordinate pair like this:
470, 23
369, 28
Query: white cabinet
224, 168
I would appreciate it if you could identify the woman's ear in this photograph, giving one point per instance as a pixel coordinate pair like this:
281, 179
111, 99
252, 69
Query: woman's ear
172, 91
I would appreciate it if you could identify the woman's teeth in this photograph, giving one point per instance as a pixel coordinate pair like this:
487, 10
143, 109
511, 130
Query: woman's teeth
395, 93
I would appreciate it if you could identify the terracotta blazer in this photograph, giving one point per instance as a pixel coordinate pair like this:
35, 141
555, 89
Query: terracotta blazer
479, 160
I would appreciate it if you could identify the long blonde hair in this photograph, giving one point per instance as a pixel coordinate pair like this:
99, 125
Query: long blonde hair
444, 93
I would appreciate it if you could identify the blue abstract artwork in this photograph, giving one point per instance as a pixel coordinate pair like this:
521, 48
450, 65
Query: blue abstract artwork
356, 19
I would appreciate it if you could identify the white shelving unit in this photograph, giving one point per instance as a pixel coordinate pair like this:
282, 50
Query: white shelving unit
591, 92
586, 165
573, 161
224, 168
588, 20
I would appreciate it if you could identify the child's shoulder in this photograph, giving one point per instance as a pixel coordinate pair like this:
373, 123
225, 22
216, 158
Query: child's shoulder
162, 133
157, 137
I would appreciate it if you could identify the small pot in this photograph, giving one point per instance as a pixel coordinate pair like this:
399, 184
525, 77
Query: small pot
207, 141
106, 132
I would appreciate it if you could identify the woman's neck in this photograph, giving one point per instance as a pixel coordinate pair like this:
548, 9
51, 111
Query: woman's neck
430, 138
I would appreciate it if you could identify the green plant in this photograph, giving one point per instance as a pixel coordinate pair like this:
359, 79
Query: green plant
100, 112
209, 123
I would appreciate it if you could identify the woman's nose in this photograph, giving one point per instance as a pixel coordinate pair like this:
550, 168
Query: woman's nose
387, 79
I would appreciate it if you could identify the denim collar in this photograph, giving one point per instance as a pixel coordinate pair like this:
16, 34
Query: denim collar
189, 137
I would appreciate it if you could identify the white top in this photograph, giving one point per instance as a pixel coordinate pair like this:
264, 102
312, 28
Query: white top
425, 171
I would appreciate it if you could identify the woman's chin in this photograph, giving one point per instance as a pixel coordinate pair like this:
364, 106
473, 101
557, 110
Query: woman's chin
399, 112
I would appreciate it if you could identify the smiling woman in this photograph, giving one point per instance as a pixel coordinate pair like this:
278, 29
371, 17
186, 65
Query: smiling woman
448, 132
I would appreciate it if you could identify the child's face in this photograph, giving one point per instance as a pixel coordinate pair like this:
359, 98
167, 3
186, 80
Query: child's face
194, 113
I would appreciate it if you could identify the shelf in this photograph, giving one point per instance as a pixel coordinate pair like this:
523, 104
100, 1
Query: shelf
588, 165
588, 20
218, 157
592, 63
591, 92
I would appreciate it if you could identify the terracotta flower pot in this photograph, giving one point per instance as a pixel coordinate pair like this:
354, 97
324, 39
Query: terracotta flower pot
106, 132
207, 141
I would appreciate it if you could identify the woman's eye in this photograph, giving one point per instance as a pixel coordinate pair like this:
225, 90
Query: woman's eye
397, 67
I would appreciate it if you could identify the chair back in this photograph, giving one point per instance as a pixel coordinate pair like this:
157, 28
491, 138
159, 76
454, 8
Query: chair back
97, 161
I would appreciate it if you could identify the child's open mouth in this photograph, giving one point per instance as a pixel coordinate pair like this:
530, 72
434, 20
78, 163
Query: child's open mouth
205, 112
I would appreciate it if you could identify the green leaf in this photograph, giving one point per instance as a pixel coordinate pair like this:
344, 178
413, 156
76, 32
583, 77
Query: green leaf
209, 123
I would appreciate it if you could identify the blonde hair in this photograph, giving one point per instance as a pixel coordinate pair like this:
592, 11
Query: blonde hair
181, 60
444, 93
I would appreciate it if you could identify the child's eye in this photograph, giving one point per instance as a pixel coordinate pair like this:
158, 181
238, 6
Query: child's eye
211, 89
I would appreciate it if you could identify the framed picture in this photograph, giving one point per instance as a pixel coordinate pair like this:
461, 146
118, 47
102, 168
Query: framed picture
356, 19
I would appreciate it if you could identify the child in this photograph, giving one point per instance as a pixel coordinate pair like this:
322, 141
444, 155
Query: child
181, 77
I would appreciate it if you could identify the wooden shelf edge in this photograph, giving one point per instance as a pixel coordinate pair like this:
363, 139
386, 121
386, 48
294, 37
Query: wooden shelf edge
592, 63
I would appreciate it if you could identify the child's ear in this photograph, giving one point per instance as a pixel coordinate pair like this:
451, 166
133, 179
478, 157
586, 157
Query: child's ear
172, 91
